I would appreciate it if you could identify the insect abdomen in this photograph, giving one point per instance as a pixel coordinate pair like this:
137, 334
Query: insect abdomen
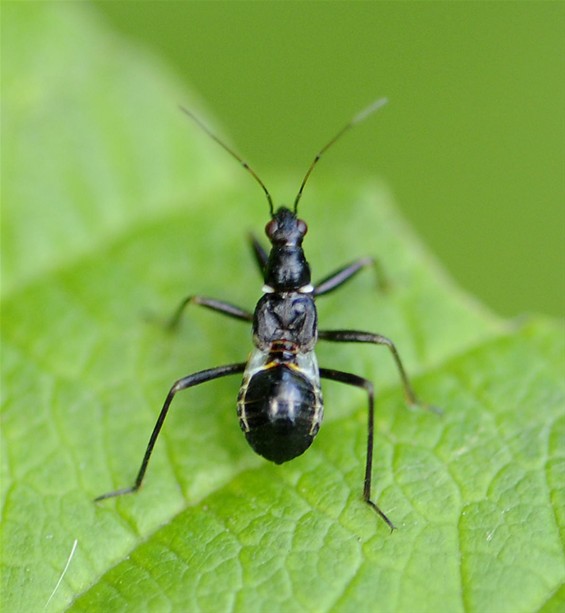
280, 412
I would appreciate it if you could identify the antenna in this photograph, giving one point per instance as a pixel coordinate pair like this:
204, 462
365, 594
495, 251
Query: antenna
375, 106
233, 154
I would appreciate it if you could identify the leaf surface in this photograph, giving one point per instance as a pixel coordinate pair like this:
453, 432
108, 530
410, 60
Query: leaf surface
113, 210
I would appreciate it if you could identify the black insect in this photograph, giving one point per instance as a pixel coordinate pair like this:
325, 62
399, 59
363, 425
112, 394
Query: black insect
280, 404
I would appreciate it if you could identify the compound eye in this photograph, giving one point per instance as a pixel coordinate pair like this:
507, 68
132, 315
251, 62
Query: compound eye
271, 228
302, 227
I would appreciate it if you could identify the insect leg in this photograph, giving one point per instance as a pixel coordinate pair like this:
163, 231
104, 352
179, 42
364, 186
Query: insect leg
190, 381
259, 253
349, 379
356, 336
339, 277
210, 303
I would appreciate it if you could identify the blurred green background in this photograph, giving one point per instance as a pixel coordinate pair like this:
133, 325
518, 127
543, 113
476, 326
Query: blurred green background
473, 140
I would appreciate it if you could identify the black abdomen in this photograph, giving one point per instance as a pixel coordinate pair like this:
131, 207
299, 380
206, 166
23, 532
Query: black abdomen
280, 412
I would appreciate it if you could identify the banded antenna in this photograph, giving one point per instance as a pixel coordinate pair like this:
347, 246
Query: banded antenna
374, 106
233, 154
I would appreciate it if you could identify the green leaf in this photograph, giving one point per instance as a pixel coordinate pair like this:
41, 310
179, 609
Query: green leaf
115, 209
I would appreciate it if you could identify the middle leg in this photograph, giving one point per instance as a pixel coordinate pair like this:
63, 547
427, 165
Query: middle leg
356, 336
219, 306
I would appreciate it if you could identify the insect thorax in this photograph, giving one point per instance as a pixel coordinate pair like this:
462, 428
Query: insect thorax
287, 316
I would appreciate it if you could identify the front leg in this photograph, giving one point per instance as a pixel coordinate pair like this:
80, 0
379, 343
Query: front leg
341, 276
260, 255
356, 336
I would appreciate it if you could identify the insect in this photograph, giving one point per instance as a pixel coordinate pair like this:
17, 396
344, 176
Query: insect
280, 405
